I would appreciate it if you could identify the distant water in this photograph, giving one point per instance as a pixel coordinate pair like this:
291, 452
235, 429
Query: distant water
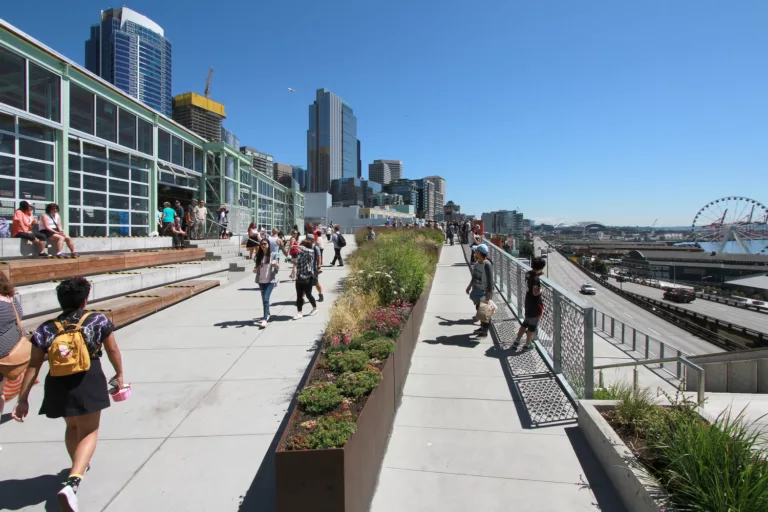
755, 246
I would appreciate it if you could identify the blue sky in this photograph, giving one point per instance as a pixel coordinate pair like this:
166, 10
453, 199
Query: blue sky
622, 112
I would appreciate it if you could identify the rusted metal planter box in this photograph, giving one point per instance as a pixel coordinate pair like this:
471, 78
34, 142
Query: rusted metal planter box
344, 479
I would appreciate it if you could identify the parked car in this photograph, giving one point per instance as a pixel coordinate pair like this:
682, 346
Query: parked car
605, 277
620, 278
588, 289
679, 295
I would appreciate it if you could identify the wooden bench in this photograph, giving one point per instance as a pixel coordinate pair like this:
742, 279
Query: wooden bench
42, 269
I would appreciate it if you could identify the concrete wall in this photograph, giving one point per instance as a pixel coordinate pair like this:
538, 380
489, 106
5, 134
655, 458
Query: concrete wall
316, 205
17, 248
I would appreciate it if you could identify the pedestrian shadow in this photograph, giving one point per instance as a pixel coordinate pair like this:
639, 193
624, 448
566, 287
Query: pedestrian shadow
21, 494
458, 340
283, 303
5, 418
280, 318
237, 324
463, 321
257, 289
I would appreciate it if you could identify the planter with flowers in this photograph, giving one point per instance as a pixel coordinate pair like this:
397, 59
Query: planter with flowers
329, 456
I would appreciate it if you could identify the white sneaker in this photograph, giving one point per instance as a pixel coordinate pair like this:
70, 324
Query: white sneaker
263, 324
313, 312
298, 317
67, 499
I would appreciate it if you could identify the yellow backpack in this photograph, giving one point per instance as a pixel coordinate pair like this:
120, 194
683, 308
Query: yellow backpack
68, 354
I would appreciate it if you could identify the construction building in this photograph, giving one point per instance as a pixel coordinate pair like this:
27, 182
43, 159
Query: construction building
200, 114
262, 162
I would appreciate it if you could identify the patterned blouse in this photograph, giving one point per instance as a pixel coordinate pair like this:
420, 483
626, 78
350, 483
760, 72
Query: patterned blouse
96, 329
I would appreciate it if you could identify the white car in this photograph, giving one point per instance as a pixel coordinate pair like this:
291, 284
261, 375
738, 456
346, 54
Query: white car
588, 289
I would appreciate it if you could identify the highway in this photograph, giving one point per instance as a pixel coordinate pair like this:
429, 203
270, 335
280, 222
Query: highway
567, 275
744, 317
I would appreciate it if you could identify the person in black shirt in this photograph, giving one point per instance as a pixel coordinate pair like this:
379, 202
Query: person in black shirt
534, 305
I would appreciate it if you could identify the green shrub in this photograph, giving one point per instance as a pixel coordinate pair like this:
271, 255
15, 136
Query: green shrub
331, 431
348, 361
319, 398
379, 349
357, 384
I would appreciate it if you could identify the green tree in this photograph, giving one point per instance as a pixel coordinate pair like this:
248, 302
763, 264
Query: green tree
526, 250
600, 267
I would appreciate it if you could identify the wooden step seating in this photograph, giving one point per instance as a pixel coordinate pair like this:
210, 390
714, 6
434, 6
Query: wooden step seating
26, 271
124, 310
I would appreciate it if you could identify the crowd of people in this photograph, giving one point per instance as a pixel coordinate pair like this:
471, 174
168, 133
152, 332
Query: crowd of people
43, 232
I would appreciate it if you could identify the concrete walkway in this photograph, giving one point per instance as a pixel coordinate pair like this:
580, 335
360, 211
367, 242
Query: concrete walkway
210, 391
469, 436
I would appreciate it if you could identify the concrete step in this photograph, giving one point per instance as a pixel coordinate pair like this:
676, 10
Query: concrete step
41, 298
222, 252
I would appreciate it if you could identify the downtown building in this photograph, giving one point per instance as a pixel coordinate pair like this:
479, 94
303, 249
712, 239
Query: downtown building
260, 162
130, 51
439, 184
385, 171
504, 222
332, 144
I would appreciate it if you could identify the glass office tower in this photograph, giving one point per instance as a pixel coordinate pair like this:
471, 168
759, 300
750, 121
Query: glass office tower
331, 141
131, 52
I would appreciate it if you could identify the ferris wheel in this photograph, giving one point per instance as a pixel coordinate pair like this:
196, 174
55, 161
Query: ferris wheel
734, 224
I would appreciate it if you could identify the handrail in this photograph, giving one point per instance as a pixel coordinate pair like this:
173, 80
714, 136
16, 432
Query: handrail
681, 360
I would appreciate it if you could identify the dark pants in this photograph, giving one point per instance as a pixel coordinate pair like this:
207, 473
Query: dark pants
32, 236
178, 240
337, 256
303, 289
328, 237
450, 238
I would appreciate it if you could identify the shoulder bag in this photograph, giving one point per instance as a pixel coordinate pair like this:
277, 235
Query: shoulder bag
17, 360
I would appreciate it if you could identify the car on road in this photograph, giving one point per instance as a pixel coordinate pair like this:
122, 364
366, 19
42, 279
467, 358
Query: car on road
679, 295
588, 289
620, 278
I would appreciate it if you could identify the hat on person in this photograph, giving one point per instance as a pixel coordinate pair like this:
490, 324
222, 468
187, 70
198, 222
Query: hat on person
309, 237
482, 249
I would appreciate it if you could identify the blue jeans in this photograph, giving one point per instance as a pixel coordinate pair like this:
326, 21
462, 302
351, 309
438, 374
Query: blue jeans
266, 292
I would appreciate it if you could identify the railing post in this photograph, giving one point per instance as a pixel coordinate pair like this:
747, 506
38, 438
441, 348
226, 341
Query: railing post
557, 341
613, 327
661, 354
622, 332
602, 328
519, 277
589, 362
509, 280
634, 340
679, 366
647, 347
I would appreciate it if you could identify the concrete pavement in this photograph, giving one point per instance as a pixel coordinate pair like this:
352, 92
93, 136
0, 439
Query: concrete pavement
481, 428
210, 390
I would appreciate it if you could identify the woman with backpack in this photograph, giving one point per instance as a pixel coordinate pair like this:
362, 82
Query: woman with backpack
52, 228
75, 387
266, 268
305, 276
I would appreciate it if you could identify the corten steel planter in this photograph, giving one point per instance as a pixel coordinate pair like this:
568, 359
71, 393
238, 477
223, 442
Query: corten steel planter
344, 479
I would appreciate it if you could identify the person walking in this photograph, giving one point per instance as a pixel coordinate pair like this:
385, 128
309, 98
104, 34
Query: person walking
201, 215
53, 230
21, 227
328, 233
480, 288
78, 394
534, 304
451, 233
266, 267
189, 219
293, 251
305, 274
318, 248
223, 221
178, 209
168, 215
253, 239
10, 327
338, 244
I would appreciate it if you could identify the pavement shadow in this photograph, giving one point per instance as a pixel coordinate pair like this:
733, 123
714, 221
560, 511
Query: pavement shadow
283, 303
463, 321
280, 318
596, 478
458, 340
20, 494
5, 418
260, 495
238, 324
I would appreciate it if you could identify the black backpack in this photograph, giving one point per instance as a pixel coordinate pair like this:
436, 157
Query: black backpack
342, 241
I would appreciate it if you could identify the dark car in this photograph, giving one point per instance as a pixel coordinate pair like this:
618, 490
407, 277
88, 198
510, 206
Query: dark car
680, 295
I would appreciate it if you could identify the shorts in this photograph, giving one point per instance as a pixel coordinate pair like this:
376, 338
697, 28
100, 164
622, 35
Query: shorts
32, 236
531, 323
532, 315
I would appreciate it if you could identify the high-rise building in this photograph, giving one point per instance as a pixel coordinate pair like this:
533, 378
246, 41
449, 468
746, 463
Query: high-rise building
425, 199
200, 114
131, 52
439, 184
451, 211
359, 161
379, 172
302, 177
503, 222
395, 168
261, 161
283, 173
331, 141
405, 188
353, 191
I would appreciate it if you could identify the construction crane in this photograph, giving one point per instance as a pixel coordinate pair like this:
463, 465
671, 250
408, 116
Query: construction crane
208, 84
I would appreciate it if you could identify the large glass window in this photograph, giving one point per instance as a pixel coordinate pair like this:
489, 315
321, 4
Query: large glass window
127, 129
176, 151
163, 145
188, 155
36, 131
80, 109
145, 137
44, 93
199, 160
34, 149
106, 120
7, 143
13, 80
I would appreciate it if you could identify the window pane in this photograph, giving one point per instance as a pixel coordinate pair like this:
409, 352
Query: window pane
7, 143
44, 92
93, 216
75, 179
94, 231
136, 231
116, 217
199, 160
118, 156
106, 120
189, 156
141, 176
12, 80
74, 231
176, 151
118, 187
7, 166
145, 137
39, 150
74, 163
74, 215
118, 171
140, 163
163, 145
74, 199
118, 202
74, 145
94, 183
35, 191
94, 166
94, 150
7, 188
80, 109
36, 130
7, 123
35, 170
127, 129
141, 205
139, 190
142, 219
91, 199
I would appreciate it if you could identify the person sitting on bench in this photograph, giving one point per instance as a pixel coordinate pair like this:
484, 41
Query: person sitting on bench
51, 228
23, 220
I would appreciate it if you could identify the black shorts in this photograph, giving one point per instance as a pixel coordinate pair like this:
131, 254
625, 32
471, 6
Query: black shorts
32, 236
532, 315
76, 395
251, 243
47, 232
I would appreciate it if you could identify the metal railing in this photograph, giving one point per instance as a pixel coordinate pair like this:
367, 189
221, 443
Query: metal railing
565, 330
679, 361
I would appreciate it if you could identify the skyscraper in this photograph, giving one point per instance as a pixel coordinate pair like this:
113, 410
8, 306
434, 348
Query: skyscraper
131, 52
395, 168
380, 172
331, 141
439, 184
